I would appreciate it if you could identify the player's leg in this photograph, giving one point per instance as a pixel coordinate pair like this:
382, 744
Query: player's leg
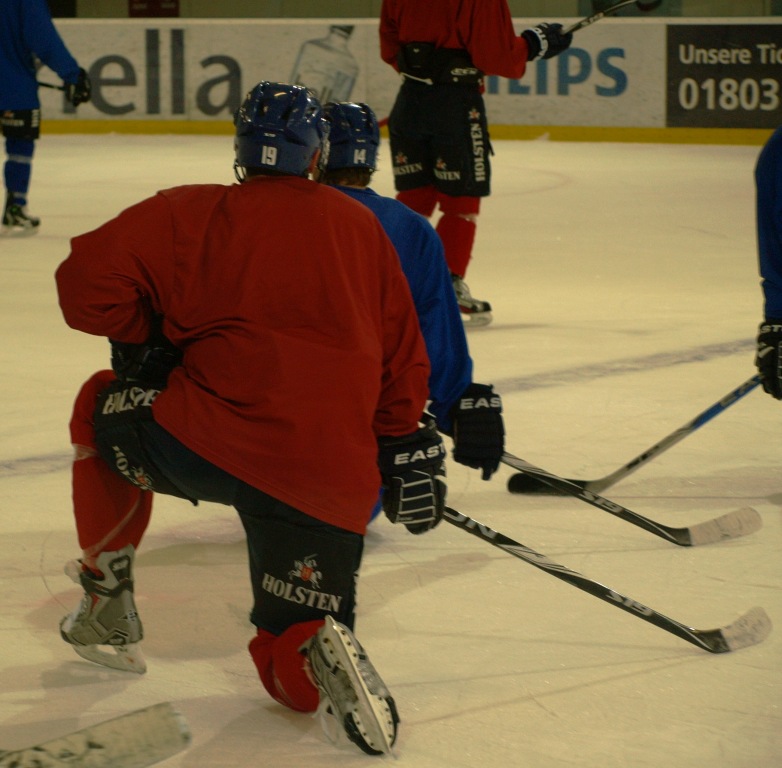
462, 177
410, 139
304, 574
111, 516
122, 457
21, 129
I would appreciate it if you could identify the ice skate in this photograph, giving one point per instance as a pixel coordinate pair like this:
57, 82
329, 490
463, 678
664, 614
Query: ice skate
351, 689
475, 313
16, 222
106, 615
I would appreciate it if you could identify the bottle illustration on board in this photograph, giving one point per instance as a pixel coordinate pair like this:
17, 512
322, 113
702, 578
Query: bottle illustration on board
326, 66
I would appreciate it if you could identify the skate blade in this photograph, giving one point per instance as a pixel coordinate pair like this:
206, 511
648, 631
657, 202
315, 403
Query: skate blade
18, 231
126, 658
378, 731
476, 319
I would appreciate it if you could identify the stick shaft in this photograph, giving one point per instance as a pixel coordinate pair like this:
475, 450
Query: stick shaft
585, 22
676, 436
713, 641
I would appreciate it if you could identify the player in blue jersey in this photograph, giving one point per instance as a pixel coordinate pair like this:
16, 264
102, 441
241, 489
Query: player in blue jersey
470, 413
28, 36
768, 182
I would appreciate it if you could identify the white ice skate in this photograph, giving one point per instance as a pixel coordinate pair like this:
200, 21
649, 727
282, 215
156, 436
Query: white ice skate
105, 627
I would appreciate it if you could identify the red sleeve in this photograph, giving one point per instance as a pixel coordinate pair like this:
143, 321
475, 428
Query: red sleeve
482, 27
118, 273
389, 36
494, 46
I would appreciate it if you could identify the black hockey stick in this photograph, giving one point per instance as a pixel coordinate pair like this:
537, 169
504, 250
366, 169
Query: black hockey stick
731, 525
649, 6
524, 483
51, 85
749, 629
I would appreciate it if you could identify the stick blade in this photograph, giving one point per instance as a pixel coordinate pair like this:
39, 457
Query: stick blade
135, 740
732, 525
750, 629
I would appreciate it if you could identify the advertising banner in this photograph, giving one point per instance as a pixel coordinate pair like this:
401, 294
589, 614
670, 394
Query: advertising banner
724, 76
645, 73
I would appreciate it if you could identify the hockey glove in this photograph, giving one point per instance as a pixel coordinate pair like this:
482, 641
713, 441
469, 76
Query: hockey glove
478, 429
148, 364
769, 357
546, 41
412, 468
80, 91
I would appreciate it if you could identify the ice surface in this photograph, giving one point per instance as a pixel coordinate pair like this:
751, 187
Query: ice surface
624, 284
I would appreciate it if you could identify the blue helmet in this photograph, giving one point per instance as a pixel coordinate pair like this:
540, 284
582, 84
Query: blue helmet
354, 136
279, 127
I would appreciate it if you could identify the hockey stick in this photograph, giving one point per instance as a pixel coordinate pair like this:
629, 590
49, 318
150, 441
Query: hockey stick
731, 525
749, 629
650, 6
135, 740
523, 483
51, 85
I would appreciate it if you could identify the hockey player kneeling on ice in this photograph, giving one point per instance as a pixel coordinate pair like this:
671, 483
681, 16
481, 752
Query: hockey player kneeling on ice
468, 412
225, 346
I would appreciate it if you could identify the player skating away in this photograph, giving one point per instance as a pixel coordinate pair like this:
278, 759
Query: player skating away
768, 183
28, 36
439, 137
470, 413
302, 371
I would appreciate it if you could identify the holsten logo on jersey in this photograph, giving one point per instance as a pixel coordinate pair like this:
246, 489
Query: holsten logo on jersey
402, 167
478, 149
128, 399
442, 172
137, 475
306, 571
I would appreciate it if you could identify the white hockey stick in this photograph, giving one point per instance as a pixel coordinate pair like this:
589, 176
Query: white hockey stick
750, 628
135, 740
731, 525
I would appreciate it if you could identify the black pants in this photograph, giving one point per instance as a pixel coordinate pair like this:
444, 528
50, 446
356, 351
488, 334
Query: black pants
439, 136
300, 568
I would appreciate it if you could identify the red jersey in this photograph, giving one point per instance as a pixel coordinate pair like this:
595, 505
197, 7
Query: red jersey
481, 27
301, 342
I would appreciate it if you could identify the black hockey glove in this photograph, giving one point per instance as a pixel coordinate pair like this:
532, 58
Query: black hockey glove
412, 468
769, 357
148, 364
80, 91
478, 429
546, 41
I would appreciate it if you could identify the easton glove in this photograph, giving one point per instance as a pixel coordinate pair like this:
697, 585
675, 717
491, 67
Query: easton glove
412, 468
80, 91
478, 429
546, 41
768, 358
149, 363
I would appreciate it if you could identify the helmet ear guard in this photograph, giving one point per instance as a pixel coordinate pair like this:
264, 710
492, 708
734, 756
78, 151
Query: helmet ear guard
279, 128
354, 137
